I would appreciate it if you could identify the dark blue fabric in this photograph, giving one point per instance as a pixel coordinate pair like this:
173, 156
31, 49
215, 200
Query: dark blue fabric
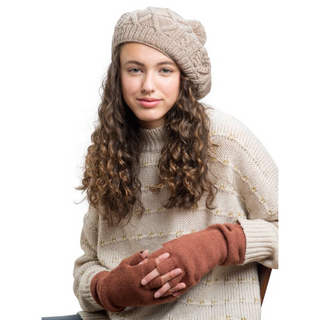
72, 317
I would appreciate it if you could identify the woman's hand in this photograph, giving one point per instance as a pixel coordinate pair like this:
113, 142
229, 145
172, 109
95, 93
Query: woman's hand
121, 287
194, 255
166, 288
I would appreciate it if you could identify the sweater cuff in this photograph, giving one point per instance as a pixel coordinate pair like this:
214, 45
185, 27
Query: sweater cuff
87, 301
261, 242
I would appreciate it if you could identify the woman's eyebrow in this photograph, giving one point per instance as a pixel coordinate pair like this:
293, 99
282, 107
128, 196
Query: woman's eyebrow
166, 62
134, 62
142, 64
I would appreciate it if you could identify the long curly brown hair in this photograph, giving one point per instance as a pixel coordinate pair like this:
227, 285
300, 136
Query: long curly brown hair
112, 163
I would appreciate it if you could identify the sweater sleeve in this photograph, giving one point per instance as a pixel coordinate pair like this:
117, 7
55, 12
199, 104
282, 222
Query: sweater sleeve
254, 177
87, 265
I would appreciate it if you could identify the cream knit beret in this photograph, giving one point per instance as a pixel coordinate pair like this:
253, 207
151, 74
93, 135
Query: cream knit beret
181, 40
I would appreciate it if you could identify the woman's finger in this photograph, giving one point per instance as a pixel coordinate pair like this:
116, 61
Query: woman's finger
162, 257
144, 254
176, 290
150, 276
178, 287
166, 288
162, 290
170, 275
144, 261
155, 273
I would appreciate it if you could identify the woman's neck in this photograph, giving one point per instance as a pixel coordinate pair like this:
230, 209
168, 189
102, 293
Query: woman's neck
153, 139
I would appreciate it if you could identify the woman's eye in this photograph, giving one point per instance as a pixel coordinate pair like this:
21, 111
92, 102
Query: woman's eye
166, 71
134, 70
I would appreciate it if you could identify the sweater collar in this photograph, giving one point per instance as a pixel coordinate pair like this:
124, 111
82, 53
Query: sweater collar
153, 139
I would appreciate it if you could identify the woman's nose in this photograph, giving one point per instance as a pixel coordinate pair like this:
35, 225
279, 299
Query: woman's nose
148, 84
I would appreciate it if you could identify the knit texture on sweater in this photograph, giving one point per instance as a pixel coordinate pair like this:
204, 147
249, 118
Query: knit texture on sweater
246, 179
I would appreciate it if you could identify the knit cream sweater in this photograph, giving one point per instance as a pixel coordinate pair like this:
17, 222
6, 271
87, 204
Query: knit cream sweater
246, 179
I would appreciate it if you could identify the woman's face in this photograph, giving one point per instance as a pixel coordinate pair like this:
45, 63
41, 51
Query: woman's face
150, 83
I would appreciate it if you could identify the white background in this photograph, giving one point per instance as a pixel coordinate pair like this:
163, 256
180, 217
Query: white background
54, 54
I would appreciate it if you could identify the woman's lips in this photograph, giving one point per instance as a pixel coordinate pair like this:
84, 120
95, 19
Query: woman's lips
149, 102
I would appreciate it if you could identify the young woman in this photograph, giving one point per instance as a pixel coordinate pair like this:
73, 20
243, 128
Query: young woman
182, 197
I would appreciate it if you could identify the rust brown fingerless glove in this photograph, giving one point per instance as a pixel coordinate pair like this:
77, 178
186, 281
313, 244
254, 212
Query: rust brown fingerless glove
199, 252
120, 288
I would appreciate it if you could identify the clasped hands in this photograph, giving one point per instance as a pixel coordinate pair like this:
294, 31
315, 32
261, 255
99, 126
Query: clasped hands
136, 281
167, 285
164, 275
